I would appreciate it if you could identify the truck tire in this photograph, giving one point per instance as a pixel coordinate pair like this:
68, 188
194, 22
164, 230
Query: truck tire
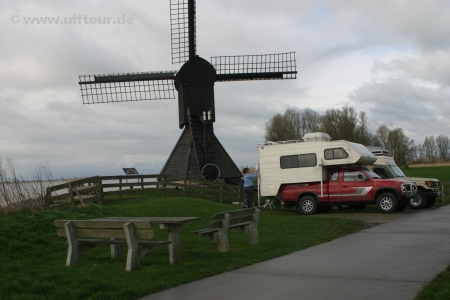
308, 205
430, 202
387, 203
418, 201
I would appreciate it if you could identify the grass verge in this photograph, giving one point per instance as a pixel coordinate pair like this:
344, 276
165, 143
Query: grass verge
32, 256
438, 288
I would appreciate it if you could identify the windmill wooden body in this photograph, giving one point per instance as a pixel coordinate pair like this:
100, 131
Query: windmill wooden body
198, 153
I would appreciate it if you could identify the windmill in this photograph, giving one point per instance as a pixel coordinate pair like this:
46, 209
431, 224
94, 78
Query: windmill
198, 154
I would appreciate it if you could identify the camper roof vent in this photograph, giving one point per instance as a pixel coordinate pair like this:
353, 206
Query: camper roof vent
316, 137
378, 151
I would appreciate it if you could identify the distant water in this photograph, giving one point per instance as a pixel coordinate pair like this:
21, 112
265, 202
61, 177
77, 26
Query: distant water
36, 188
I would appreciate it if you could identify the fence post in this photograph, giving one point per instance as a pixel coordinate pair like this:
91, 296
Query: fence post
221, 193
99, 190
142, 185
120, 188
164, 185
72, 200
184, 188
48, 197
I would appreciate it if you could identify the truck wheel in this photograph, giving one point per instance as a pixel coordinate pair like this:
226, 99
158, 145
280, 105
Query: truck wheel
387, 203
418, 201
308, 205
430, 202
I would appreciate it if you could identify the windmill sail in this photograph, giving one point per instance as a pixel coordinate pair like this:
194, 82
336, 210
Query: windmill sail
182, 29
127, 87
255, 67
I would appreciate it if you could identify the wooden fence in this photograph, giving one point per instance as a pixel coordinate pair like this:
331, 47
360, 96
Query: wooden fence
97, 187
81, 191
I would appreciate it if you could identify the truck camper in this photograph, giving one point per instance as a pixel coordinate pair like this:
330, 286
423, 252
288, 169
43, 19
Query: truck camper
317, 173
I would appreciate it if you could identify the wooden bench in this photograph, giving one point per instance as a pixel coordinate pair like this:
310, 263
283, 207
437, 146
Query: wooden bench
245, 220
83, 235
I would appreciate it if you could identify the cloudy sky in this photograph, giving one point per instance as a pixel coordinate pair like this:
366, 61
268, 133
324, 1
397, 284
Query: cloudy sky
388, 58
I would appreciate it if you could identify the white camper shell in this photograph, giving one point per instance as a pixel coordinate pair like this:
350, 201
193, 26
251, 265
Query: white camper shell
306, 161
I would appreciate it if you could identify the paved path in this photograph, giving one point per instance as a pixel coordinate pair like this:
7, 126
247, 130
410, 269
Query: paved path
389, 261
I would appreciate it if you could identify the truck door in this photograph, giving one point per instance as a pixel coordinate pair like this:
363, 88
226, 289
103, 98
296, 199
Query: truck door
355, 186
334, 185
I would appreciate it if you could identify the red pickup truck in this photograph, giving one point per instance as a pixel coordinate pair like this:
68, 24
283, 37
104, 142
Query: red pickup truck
354, 186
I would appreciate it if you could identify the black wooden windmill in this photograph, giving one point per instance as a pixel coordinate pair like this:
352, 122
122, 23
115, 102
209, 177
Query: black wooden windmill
198, 153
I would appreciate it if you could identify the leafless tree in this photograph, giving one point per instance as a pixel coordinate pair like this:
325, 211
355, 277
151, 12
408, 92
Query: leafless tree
382, 135
311, 121
400, 144
443, 147
284, 127
430, 149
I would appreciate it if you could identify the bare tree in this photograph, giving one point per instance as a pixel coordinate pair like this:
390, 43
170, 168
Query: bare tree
311, 121
347, 124
382, 135
430, 149
284, 127
330, 123
443, 147
400, 144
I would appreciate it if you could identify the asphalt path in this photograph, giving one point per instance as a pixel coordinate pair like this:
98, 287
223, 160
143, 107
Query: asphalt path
394, 260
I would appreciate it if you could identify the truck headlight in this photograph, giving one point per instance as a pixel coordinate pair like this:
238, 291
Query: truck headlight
432, 183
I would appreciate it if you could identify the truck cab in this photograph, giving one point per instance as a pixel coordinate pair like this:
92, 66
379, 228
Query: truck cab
354, 186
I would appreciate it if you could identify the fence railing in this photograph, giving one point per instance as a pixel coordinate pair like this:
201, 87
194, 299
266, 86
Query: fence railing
94, 189
82, 190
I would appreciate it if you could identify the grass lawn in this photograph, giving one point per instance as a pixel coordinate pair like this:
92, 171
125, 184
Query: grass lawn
438, 289
441, 173
32, 256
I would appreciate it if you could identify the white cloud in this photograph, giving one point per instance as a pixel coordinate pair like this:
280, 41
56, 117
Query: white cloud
390, 59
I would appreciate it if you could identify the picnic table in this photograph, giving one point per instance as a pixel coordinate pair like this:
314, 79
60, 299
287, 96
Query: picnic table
171, 224
135, 232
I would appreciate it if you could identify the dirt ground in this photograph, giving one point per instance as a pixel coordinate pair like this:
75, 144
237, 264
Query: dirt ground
369, 215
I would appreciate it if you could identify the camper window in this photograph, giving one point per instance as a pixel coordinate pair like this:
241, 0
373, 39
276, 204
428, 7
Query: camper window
298, 161
336, 153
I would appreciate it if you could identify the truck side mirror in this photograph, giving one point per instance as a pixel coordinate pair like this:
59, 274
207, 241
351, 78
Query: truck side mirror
363, 177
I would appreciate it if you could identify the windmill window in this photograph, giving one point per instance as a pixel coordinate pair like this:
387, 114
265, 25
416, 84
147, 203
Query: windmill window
298, 161
335, 153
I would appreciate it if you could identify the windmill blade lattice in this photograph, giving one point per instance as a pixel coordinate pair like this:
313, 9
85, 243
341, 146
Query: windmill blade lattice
182, 30
127, 87
255, 67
